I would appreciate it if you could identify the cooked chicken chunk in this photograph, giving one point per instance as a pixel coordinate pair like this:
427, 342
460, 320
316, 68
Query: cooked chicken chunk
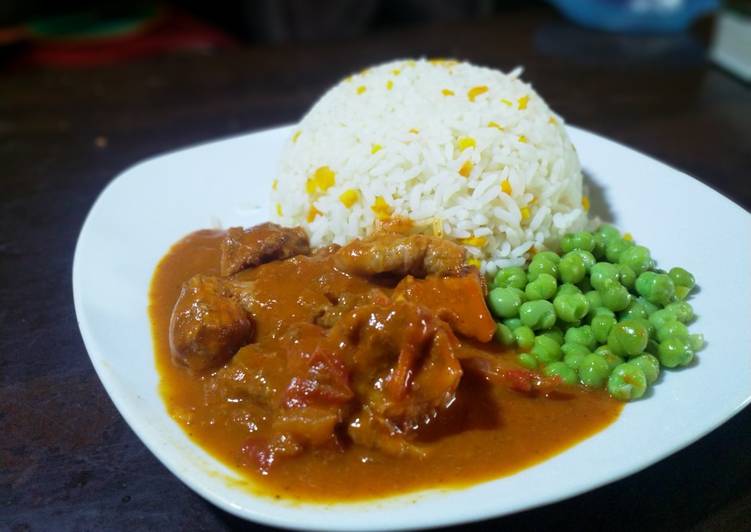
416, 255
207, 325
246, 248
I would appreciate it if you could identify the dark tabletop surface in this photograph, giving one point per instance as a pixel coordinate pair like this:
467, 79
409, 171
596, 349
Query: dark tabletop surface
68, 461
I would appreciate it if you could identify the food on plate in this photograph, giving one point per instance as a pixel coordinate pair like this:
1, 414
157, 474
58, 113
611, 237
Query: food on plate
465, 152
434, 307
603, 324
347, 372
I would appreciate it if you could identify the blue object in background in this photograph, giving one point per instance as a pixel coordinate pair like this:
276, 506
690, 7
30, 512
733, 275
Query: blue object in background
636, 15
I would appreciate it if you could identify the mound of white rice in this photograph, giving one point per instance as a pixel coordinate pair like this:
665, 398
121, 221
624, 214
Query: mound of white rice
464, 152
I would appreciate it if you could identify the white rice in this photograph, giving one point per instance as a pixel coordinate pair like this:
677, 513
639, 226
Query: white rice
407, 132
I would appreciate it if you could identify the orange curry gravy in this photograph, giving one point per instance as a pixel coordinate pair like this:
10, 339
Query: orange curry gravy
488, 431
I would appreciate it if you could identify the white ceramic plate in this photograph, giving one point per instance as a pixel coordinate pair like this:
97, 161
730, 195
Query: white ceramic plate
150, 206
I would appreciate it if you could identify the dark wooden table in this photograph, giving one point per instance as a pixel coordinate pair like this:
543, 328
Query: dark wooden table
67, 459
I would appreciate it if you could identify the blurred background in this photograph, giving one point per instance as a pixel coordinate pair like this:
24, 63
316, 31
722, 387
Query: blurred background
86, 33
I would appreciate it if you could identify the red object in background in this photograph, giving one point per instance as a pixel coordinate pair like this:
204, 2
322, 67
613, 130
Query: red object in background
167, 32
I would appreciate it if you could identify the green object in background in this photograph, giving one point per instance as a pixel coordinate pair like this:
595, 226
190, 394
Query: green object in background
94, 24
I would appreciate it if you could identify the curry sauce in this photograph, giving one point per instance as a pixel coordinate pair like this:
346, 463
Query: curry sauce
488, 429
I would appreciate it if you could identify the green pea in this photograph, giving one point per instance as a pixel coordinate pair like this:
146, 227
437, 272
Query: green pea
607, 232
661, 317
681, 292
587, 258
567, 289
560, 370
571, 307
555, 334
672, 329
682, 278
544, 287
651, 331
657, 288
601, 326
594, 371
634, 310
527, 360
696, 341
581, 240
572, 268
573, 354
626, 276
649, 365
525, 337
511, 277
674, 352
627, 382
628, 337
595, 300
637, 258
650, 307
538, 314
549, 255
682, 310
615, 248
504, 335
611, 358
546, 350
603, 273
615, 296
505, 302
512, 323
604, 311
581, 335
541, 265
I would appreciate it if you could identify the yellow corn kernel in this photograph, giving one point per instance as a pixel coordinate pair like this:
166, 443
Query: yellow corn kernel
296, 135
466, 142
312, 213
522, 139
381, 209
437, 227
361, 89
466, 169
525, 213
472, 261
523, 101
506, 186
324, 178
474, 92
447, 92
585, 203
628, 237
375, 149
552, 120
278, 209
532, 251
310, 186
396, 72
414, 130
349, 197
506, 101
389, 85
495, 125
442, 62
474, 241
274, 184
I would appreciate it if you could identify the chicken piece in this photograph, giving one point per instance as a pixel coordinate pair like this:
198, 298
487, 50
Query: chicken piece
459, 300
403, 371
207, 326
246, 248
416, 255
